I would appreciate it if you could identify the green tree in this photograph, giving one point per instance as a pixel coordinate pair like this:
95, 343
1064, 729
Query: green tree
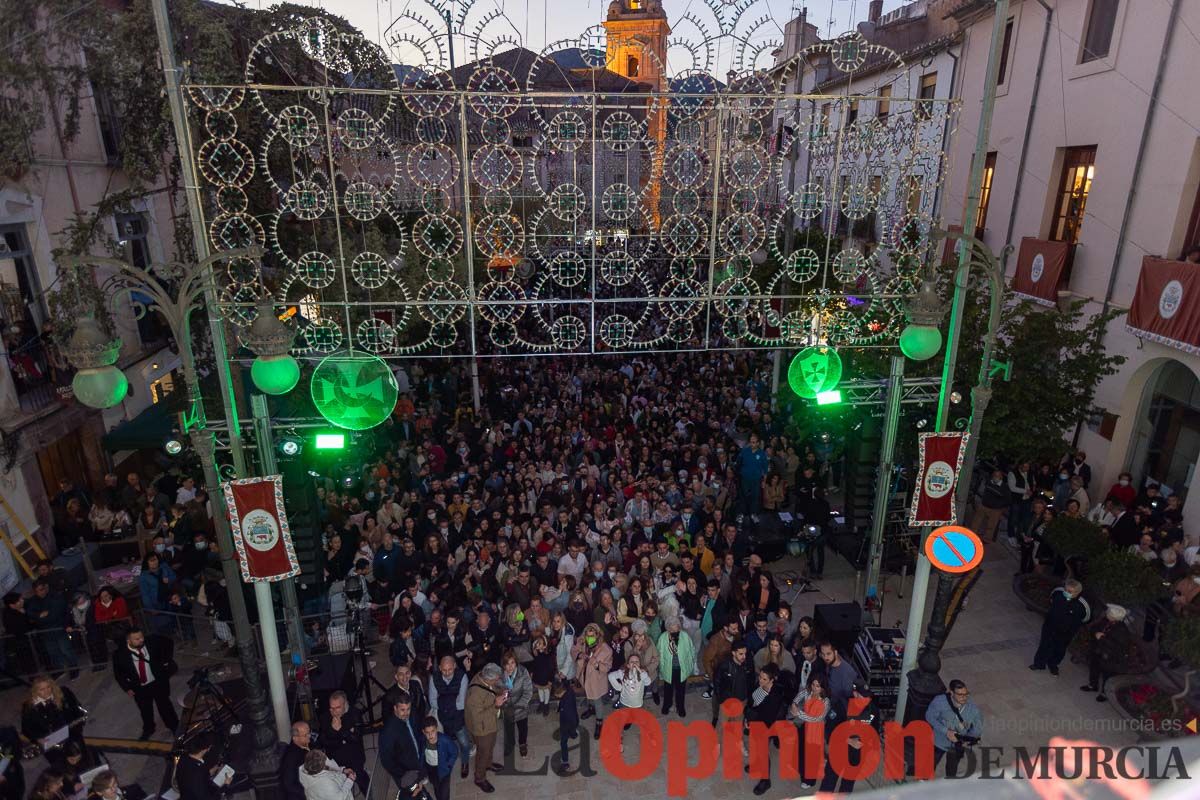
1057, 360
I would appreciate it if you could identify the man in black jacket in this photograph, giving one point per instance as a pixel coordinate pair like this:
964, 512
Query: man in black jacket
193, 776
1068, 613
400, 748
143, 669
341, 738
292, 760
862, 708
768, 705
733, 678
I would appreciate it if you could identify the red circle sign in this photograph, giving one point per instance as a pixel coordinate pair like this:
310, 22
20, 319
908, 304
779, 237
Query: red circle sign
954, 549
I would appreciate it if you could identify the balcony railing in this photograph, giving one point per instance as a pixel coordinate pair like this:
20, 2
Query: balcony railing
37, 370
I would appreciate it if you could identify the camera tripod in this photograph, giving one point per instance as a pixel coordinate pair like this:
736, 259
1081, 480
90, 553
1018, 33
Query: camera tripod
362, 688
217, 705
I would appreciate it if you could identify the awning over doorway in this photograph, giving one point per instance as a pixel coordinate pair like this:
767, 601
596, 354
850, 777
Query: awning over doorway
1166, 304
148, 429
1040, 265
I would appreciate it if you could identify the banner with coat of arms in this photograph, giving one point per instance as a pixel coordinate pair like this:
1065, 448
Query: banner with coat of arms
1039, 266
260, 529
940, 461
1165, 307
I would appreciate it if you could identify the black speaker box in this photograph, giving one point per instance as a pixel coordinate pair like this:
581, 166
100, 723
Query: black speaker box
840, 623
335, 671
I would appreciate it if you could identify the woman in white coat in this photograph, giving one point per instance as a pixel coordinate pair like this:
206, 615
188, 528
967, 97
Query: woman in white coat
323, 779
630, 683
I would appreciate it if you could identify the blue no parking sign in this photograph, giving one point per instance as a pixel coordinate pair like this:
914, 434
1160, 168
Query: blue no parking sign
953, 548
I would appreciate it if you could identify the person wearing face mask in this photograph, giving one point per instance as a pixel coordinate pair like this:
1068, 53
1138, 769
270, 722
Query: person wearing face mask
83, 619
1068, 613
1077, 465
1123, 490
194, 560
593, 662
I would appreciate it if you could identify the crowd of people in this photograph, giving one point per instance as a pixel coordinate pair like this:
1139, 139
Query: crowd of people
582, 543
1026, 500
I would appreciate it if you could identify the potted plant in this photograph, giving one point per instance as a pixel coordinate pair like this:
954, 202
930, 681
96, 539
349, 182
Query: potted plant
1034, 589
1123, 578
1075, 538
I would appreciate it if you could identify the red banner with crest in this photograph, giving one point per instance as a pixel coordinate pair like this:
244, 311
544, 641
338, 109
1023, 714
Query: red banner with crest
941, 457
1164, 307
260, 529
1040, 264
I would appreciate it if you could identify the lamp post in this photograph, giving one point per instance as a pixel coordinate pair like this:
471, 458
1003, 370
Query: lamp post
919, 680
920, 341
175, 291
921, 574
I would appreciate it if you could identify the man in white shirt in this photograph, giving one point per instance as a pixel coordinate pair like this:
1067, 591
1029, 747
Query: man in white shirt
186, 492
574, 562
1103, 514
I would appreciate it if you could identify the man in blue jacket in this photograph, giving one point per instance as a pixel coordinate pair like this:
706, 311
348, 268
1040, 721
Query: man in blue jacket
439, 752
957, 724
48, 613
752, 468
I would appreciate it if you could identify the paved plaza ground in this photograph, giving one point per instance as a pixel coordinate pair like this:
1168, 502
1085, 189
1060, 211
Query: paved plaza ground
990, 649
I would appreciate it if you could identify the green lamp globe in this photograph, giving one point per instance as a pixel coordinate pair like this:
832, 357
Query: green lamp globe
814, 370
355, 391
920, 342
101, 387
275, 374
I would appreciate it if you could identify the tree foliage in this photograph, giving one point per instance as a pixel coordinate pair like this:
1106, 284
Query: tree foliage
1123, 578
1073, 537
1057, 360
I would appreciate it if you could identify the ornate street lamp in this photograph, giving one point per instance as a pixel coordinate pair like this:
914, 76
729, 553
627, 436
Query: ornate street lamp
174, 291
93, 353
921, 339
274, 371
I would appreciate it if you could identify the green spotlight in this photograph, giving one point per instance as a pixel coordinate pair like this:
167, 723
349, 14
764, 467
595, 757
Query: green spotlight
830, 398
330, 441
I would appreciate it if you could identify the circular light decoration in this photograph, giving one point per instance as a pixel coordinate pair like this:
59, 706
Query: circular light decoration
102, 387
814, 370
920, 342
275, 374
355, 391
173, 447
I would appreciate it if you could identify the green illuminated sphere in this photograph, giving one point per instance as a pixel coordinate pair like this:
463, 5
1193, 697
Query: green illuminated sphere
355, 391
275, 374
920, 342
100, 388
814, 370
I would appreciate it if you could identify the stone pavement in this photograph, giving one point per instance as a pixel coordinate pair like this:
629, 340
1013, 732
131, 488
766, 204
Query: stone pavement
990, 648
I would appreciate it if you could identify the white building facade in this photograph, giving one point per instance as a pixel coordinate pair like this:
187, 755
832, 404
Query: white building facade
1095, 150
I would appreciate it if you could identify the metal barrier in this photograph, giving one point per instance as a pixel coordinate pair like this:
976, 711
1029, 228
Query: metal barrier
55, 650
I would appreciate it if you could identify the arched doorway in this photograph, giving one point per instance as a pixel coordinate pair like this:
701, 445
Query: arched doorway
1166, 436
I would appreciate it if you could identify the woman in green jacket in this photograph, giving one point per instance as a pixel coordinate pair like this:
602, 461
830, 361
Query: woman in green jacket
676, 662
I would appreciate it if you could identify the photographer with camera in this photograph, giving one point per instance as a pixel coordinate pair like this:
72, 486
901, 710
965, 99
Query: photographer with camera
957, 724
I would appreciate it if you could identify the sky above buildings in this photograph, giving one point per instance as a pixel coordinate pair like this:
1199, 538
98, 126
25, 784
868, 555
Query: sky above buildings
536, 23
